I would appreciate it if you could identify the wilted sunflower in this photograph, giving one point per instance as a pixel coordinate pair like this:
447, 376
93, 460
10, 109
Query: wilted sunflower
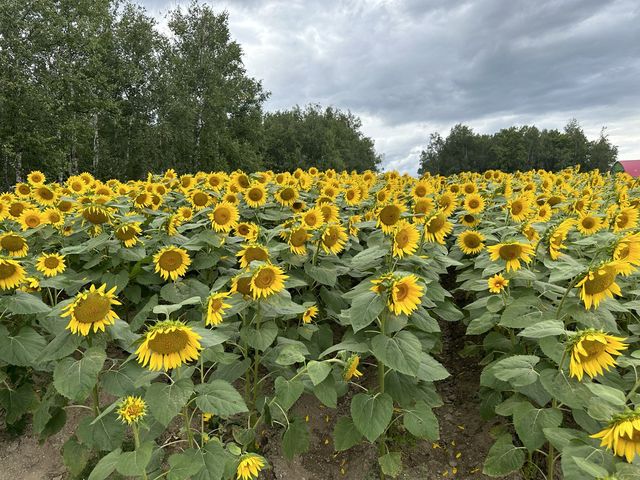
405, 239
589, 224
91, 308
310, 313
600, 284
593, 351
389, 216
351, 368
171, 262
256, 195
298, 240
267, 280
12, 274
250, 466
471, 242
512, 253
132, 409
253, 253
334, 239
224, 217
497, 283
437, 228
128, 233
622, 435
474, 203
216, 307
168, 344
30, 218
14, 244
51, 264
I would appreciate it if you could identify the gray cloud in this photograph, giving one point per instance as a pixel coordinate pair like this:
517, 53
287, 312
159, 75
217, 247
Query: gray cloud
411, 67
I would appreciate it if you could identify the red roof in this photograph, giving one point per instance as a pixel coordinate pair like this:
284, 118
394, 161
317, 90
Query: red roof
632, 167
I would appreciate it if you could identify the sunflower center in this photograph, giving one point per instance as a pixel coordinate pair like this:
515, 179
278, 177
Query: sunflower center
389, 215
402, 238
516, 208
298, 238
592, 348
255, 253
96, 216
222, 216
264, 278
436, 224
51, 262
12, 243
588, 223
7, 270
554, 200
200, 199
421, 191
255, 194
45, 193
243, 229
474, 203
311, 219
243, 285
216, 304
330, 238
287, 194
243, 181
510, 252
170, 260
93, 308
32, 220
469, 218
601, 281
622, 220
623, 252
170, 342
472, 241
125, 233
401, 290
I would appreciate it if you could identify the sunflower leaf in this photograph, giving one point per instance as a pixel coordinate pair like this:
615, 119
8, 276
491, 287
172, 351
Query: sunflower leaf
219, 397
371, 414
166, 400
75, 378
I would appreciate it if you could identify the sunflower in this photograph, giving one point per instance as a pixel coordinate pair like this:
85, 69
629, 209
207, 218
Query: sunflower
36, 178
256, 195
447, 203
168, 344
589, 224
511, 253
91, 307
310, 313
224, 217
600, 284
287, 196
14, 244
97, 214
128, 233
312, 218
626, 219
12, 274
469, 220
247, 230
422, 208
474, 203
241, 284
544, 214
44, 195
23, 190
437, 228
471, 242
389, 216
51, 264
622, 435
266, 281
352, 196
131, 410
171, 262
185, 213
216, 307
354, 220
298, 240
330, 212
53, 216
30, 218
627, 250
558, 236
497, 283
199, 199
592, 352
250, 466
351, 368
252, 253
405, 239
334, 239
519, 209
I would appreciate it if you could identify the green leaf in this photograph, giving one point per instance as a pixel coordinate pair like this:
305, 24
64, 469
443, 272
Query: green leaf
530, 421
106, 434
21, 349
291, 352
421, 422
185, 465
345, 434
75, 456
166, 400
135, 463
518, 370
18, 402
295, 439
430, 369
503, 457
590, 468
567, 390
391, 464
365, 308
127, 379
608, 394
261, 338
326, 392
75, 378
324, 274
368, 258
523, 312
482, 324
288, 392
402, 352
106, 466
62, 345
219, 397
561, 437
318, 371
215, 459
21, 303
371, 414
546, 328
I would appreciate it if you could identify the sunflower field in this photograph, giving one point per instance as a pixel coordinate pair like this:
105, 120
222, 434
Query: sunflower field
189, 314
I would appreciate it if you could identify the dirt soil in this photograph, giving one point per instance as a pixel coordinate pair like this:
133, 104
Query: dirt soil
459, 454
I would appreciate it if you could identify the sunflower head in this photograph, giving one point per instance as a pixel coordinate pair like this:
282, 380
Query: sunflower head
250, 466
310, 313
12, 274
405, 239
51, 264
471, 242
600, 283
216, 307
298, 238
389, 216
497, 283
171, 262
168, 344
511, 253
622, 435
132, 410
14, 244
267, 280
224, 217
334, 239
351, 368
592, 352
91, 308
253, 253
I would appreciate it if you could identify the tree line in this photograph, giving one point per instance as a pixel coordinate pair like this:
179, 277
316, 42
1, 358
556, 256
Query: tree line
516, 148
94, 85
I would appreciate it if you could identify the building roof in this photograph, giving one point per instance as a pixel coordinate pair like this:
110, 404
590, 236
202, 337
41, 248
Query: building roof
632, 167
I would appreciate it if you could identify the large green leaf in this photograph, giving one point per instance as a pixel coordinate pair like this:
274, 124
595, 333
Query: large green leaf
345, 434
260, 338
219, 397
18, 402
106, 466
391, 464
503, 457
421, 422
21, 303
21, 349
288, 392
75, 378
318, 371
518, 370
166, 400
135, 463
530, 421
295, 439
402, 352
365, 308
371, 414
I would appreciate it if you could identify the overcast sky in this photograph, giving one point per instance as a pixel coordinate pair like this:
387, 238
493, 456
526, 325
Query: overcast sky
409, 68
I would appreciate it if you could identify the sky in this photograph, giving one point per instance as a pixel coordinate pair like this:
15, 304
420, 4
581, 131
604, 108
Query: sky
408, 68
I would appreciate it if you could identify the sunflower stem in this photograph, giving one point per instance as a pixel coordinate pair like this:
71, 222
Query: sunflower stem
136, 442
96, 400
381, 373
632, 391
187, 426
564, 297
